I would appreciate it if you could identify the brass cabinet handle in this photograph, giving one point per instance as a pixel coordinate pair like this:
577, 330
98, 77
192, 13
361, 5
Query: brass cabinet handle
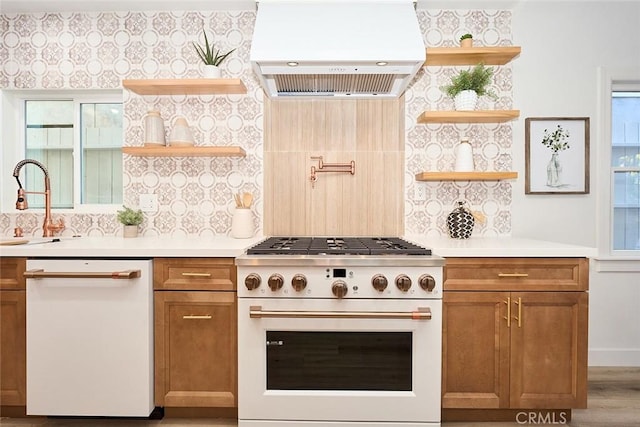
194, 316
508, 316
197, 274
422, 313
519, 316
41, 274
513, 275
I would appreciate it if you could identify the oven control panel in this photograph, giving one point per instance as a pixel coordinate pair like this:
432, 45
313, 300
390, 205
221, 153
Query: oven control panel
342, 282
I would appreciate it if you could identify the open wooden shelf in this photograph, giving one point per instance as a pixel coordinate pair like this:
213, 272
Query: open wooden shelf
207, 151
471, 55
465, 176
186, 86
474, 116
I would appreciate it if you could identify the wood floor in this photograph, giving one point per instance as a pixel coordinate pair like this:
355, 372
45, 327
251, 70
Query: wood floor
614, 401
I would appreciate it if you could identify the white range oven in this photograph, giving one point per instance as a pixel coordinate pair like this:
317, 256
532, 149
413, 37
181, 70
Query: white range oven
339, 332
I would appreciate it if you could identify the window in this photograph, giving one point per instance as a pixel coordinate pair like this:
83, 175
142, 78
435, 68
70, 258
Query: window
625, 169
618, 171
78, 138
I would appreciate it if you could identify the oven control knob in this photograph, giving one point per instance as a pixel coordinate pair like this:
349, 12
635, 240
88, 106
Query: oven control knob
403, 282
252, 281
339, 288
275, 282
427, 282
379, 282
299, 282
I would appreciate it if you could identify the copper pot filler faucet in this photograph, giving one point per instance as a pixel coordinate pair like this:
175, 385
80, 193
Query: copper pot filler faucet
49, 228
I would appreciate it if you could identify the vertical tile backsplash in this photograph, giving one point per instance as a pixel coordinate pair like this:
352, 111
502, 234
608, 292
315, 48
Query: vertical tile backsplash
94, 50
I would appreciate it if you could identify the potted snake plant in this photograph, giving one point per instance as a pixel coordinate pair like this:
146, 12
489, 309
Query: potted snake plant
211, 57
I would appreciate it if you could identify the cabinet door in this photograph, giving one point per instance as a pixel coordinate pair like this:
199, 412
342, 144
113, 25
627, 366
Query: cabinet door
475, 363
549, 350
13, 355
195, 349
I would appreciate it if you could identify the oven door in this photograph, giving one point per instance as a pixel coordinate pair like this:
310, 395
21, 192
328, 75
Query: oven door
347, 361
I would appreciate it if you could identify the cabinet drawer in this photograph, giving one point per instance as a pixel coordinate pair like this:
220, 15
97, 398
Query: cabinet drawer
12, 273
194, 274
516, 274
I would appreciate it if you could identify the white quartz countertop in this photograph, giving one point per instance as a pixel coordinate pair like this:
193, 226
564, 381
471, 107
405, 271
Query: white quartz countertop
138, 247
220, 246
500, 247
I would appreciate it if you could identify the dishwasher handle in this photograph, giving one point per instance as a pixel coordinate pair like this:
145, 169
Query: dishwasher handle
41, 274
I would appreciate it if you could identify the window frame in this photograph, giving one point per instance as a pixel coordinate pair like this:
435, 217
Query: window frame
610, 80
13, 137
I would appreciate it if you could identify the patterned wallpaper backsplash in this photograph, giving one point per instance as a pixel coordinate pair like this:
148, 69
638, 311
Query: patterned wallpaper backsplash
195, 194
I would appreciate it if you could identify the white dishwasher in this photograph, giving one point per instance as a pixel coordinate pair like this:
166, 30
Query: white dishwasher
89, 337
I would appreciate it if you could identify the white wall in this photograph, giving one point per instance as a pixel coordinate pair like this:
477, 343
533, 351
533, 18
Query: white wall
563, 45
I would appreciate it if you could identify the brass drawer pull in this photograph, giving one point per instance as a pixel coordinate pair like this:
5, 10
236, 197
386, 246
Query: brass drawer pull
513, 275
194, 316
197, 274
519, 317
508, 316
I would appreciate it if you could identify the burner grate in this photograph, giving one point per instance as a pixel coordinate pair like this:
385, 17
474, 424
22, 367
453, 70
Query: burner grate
337, 246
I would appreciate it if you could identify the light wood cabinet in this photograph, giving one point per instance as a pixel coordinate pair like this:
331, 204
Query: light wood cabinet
13, 322
510, 340
195, 333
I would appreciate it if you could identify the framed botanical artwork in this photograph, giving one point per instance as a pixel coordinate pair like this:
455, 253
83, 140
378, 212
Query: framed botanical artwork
556, 155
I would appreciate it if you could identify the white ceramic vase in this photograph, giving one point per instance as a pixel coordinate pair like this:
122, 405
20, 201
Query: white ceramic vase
211, 72
464, 157
466, 100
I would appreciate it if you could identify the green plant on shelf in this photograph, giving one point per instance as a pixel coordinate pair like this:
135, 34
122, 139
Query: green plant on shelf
476, 79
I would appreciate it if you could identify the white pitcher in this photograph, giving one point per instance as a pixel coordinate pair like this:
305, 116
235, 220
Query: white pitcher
464, 157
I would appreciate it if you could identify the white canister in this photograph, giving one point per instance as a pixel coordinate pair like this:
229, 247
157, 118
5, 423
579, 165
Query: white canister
154, 129
242, 223
464, 157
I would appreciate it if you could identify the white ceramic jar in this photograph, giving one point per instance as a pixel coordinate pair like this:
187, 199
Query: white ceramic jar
154, 129
242, 223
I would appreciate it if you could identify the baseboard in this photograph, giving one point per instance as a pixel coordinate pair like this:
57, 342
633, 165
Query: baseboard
614, 357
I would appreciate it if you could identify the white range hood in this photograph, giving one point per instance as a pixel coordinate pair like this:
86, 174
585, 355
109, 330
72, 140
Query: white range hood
339, 48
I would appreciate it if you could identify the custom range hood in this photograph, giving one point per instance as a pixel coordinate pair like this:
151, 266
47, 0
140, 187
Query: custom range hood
338, 48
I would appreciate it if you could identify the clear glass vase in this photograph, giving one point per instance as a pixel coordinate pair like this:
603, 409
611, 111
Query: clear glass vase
554, 171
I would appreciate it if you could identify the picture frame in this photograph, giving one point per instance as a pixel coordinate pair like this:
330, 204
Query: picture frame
556, 155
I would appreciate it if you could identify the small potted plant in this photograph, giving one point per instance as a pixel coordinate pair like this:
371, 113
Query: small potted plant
211, 57
131, 219
468, 85
466, 40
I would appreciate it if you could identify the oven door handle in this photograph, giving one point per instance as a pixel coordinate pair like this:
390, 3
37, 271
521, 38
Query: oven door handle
422, 313
42, 274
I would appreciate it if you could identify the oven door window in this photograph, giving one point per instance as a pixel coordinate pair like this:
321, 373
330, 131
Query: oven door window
339, 360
